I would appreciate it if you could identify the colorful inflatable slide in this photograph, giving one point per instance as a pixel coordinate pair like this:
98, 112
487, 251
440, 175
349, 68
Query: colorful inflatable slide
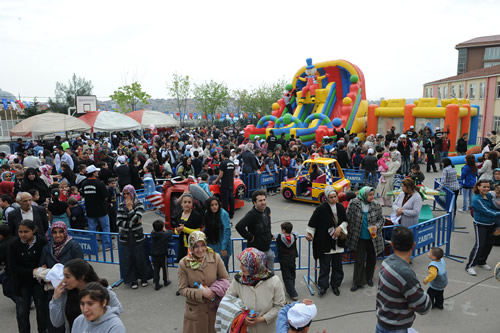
322, 97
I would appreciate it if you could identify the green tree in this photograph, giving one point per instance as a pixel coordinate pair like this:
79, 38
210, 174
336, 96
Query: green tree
31, 110
66, 93
210, 96
266, 94
129, 96
180, 90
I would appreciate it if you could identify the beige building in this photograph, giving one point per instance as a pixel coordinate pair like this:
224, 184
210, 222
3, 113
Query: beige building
480, 84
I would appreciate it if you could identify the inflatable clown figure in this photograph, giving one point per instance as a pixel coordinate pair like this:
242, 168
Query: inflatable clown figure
311, 80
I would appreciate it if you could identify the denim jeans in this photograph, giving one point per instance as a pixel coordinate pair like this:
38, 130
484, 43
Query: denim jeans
467, 193
104, 223
380, 329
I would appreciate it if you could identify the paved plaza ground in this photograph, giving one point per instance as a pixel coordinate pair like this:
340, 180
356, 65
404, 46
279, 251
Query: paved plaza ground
472, 303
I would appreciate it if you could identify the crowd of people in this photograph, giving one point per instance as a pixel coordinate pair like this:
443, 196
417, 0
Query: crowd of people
91, 183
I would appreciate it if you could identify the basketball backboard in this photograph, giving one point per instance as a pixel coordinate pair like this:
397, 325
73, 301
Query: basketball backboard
86, 103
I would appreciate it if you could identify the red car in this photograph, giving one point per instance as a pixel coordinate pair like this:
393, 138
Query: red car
174, 188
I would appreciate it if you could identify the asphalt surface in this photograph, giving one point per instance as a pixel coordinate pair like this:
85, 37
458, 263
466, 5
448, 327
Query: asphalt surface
471, 302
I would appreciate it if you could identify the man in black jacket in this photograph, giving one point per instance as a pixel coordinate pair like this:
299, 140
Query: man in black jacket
26, 211
255, 227
404, 147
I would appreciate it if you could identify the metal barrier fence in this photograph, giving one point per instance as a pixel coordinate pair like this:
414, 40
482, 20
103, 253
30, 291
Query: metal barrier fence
256, 181
357, 178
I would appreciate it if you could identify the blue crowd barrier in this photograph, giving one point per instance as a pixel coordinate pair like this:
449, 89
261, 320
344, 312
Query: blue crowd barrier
257, 181
357, 178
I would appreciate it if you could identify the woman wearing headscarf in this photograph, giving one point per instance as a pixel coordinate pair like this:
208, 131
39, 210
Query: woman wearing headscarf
32, 181
7, 185
384, 188
62, 248
218, 229
185, 169
134, 262
46, 177
204, 267
365, 235
259, 289
327, 229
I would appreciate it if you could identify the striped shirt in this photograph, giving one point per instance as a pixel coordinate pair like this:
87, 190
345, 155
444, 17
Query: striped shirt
399, 295
449, 179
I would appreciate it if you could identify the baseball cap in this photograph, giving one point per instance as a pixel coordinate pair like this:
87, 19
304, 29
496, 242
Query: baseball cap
122, 159
92, 169
370, 151
412, 126
301, 314
403, 136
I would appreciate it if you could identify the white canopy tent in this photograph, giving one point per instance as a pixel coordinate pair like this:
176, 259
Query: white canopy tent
148, 117
48, 123
107, 121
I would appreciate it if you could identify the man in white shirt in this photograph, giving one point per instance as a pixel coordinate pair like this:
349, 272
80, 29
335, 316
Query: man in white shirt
62, 156
196, 147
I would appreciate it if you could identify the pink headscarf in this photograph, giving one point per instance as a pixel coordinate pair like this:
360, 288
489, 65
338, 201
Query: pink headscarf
130, 189
45, 170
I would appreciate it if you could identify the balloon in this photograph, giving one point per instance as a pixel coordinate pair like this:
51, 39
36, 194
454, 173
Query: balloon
337, 122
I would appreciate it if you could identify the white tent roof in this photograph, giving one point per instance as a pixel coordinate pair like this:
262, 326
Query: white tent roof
109, 121
148, 117
48, 123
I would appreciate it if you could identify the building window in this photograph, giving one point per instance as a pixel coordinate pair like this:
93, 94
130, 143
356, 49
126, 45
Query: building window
453, 93
491, 53
480, 123
491, 64
462, 61
482, 87
460, 91
496, 123
445, 92
498, 89
439, 92
472, 91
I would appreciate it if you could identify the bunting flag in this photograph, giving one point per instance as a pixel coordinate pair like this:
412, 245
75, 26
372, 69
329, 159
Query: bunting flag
13, 104
5, 103
191, 116
178, 114
209, 116
27, 103
20, 104
204, 116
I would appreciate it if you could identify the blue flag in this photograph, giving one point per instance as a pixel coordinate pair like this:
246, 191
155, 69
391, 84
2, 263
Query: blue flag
209, 116
5, 103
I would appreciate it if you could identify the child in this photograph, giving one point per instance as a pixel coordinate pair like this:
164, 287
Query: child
77, 217
63, 187
58, 210
111, 204
357, 157
204, 183
74, 193
159, 248
24, 255
349, 195
6, 205
287, 252
17, 182
382, 166
496, 202
211, 176
35, 196
417, 175
437, 278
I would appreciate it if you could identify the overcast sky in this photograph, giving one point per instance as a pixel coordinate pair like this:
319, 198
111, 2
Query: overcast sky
399, 45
